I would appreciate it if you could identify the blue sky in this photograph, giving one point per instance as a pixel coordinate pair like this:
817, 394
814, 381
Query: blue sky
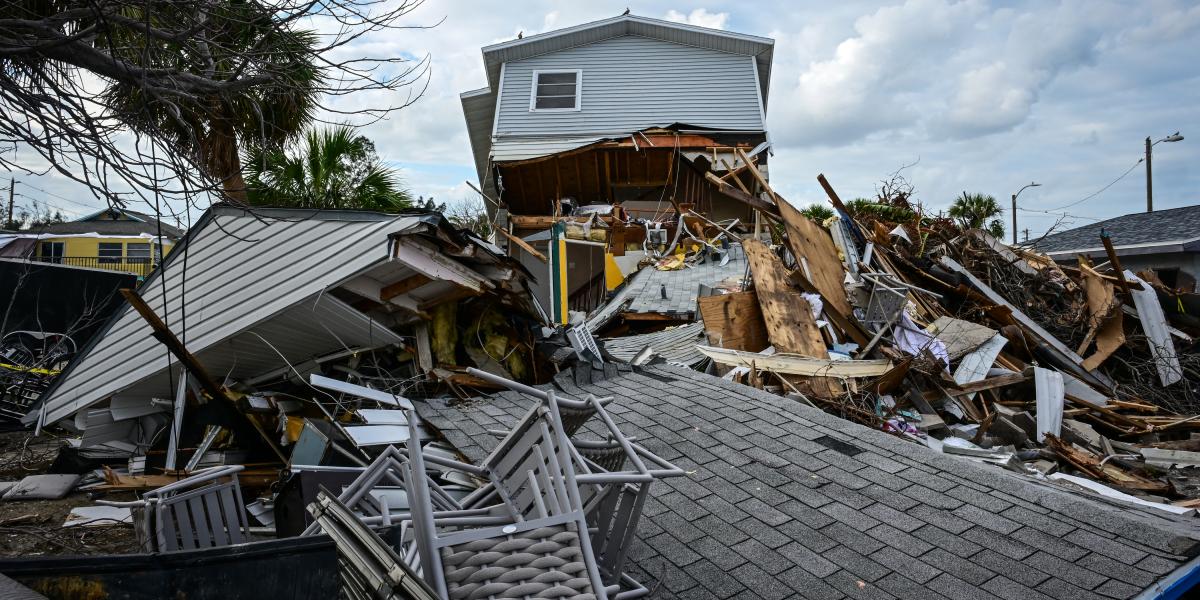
982, 96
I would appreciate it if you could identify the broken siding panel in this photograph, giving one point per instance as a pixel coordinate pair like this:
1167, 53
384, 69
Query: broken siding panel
231, 284
631, 83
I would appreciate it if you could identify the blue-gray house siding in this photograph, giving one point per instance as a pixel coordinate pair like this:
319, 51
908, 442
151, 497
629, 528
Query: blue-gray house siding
631, 83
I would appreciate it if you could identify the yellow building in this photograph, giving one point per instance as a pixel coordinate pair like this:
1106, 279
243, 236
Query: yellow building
115, 240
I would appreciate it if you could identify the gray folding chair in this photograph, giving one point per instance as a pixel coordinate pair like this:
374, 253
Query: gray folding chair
546, 553
612, 498
367, 566
199, 511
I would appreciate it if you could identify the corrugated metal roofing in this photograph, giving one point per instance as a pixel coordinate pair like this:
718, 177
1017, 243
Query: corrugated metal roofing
675, 345
241, 271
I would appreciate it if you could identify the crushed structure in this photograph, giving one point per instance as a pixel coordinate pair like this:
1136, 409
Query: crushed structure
658, 379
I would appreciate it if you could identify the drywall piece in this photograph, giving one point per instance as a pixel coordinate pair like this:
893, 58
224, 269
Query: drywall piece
42, 487
360, 391
1050, 397
1104, 490
974, 366
959, 336
98, 516
1154, 323
1067, 357
793, 364
382, 416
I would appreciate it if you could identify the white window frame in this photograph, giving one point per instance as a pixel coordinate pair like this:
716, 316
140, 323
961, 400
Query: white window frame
578, 90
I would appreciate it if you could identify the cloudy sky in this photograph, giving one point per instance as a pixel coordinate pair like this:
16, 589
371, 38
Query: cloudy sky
982, 96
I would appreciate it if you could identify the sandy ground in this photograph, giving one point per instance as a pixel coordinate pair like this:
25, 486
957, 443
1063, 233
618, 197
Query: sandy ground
34, 527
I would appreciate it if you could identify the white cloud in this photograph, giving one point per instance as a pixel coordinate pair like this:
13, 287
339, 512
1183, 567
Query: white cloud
700, 17
987, 94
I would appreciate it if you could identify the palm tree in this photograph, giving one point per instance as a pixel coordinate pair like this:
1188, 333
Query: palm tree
817, 212
978, 211
215, 128
331, 168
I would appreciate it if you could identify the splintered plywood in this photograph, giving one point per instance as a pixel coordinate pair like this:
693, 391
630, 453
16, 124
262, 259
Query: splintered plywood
789, 319
734, 321
1104, 315
811, 244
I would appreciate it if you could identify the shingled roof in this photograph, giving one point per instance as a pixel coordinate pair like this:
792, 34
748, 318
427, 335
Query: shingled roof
1174, 228
643, 291
785, 501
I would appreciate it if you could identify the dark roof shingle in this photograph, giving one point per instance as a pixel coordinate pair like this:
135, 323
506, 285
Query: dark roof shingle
810, 521
1158, 227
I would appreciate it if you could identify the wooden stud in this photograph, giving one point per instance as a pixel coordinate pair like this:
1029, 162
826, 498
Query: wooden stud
403, 286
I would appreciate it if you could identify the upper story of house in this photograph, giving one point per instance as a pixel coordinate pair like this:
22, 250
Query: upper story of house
111, 239
608, 79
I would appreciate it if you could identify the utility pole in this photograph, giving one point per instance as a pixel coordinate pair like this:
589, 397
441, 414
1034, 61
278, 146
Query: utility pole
1174, 137
1026, 234
1014, 208
1149, 179
12, 188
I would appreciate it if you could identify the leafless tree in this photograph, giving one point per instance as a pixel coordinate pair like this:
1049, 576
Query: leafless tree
469, 213
162, 94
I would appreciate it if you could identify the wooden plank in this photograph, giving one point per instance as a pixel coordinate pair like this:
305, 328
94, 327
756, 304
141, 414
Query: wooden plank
403, 286
736, 194
164, 335
813, 243
791, 364
539, 222
524, 245
734, 321
790, 324
988, 384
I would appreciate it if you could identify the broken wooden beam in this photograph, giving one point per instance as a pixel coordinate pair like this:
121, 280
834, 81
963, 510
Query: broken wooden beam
522, 244
794, 364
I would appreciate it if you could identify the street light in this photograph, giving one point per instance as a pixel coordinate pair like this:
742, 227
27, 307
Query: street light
1014, 208
1174, 137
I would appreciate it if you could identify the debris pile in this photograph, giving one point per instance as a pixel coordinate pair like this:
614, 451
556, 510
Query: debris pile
910, 323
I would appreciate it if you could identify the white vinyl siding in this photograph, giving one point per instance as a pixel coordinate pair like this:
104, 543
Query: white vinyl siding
266, 255
633, 83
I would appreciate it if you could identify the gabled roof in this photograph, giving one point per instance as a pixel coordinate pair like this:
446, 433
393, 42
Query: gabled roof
782, 500
126, 222
479, 106
1171, 230
264, 271
669, 31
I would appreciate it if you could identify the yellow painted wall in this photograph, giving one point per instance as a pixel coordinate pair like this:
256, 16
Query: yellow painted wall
89, 247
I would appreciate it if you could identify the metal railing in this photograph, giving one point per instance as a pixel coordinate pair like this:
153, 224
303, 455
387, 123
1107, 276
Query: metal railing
136, 266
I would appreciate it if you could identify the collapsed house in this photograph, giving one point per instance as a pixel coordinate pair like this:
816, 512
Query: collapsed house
882, 404
592, 145
267, 295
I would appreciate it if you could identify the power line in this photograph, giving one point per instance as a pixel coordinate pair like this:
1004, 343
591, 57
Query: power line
53, 195
1101, 190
